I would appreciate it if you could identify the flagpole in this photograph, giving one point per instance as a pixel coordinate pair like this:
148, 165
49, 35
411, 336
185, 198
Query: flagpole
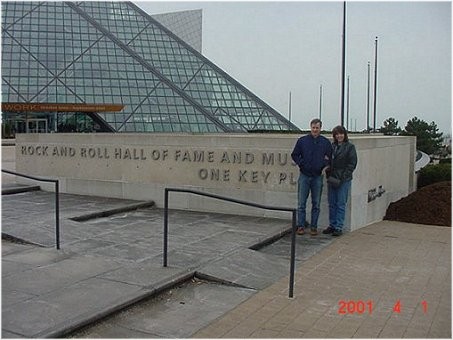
320, 102
289, 109
343, 65
368, 102
347, 108
375, 82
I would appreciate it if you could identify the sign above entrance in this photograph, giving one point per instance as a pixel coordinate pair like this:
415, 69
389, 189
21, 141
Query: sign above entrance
56, 107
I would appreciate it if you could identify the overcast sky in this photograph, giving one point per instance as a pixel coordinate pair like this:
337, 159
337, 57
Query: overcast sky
273, 48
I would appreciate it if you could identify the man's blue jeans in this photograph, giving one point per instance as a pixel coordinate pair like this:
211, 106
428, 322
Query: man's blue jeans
338, 197
306, 185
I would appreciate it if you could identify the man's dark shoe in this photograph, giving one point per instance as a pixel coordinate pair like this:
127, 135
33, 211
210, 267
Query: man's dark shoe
300, 231
313, 232
337, 233
328, 230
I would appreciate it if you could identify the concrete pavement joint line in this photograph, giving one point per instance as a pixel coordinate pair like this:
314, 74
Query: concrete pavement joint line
106, 213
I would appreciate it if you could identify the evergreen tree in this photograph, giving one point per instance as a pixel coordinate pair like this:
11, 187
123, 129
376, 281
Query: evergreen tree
390, 127
428, 138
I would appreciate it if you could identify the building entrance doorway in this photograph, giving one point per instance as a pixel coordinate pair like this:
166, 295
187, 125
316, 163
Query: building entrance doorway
36, 126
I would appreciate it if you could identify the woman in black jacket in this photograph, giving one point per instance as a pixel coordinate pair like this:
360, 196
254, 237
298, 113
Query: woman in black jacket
344, 162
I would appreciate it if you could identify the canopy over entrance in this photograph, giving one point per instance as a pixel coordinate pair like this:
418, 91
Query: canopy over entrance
54, 117
57, 107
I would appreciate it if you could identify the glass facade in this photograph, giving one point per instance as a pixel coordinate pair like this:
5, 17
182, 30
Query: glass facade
114, 53
185, 24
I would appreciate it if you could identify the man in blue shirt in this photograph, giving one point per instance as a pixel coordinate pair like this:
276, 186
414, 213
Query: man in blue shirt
312, 153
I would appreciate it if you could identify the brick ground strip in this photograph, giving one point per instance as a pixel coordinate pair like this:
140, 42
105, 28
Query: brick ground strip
387, 280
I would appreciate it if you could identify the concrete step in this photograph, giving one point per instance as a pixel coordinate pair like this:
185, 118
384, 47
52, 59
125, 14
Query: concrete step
110, 212
14, 188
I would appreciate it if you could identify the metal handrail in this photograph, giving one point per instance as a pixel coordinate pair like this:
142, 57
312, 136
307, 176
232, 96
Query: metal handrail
57, 200
229, 199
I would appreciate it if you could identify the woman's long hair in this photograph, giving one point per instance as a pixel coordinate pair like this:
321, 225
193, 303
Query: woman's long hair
339, 129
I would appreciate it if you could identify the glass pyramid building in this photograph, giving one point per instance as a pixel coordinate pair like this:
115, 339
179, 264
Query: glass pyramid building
121, 70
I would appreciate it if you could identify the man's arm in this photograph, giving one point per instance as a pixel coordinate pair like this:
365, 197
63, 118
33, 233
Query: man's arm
327, 153
297, 154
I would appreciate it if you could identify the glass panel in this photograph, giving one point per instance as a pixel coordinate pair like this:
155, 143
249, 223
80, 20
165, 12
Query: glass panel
21, 71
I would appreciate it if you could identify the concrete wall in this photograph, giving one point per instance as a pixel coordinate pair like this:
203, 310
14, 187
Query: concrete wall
8, 161
250, 167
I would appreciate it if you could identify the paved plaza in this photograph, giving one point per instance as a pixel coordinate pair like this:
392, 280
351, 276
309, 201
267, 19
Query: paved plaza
344, 287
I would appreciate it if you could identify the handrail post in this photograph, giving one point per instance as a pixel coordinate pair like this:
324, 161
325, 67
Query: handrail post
293, 256
57, 214
165, 226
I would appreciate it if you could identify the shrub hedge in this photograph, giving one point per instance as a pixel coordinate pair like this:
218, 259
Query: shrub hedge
434, 173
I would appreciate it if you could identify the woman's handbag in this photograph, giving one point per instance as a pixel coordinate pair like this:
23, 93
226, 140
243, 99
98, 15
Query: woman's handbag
335, 182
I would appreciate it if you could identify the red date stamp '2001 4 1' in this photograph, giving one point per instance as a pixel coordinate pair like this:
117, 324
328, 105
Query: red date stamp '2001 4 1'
360, 306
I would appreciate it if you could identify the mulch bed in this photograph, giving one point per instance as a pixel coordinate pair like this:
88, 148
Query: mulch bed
428, 205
